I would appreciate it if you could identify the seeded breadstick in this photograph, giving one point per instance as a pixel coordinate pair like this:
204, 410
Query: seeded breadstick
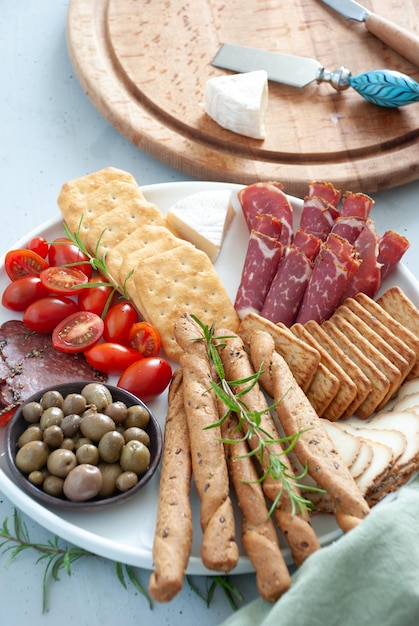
297, 530
173, 535
314, 447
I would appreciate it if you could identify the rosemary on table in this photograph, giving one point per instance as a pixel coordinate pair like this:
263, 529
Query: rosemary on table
234, 403
57, 558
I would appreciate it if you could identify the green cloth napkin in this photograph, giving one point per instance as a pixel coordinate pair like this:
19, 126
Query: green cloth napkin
368, 576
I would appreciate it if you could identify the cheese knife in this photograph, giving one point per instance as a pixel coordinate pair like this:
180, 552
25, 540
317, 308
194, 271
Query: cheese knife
399, 39
386, 88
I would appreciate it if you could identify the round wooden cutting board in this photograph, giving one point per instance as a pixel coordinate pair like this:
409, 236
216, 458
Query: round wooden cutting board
144, 65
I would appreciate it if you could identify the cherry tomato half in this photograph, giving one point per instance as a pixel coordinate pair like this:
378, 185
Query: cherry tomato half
77, 332
146, 378
44, 314
18, 263
118, 322
63, 281
63, 251
95, 299
20, 293
145, 338
39, 245
111, 358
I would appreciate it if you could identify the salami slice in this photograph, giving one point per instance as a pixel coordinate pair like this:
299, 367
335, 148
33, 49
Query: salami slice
391, 248
267, 198
260, 264
333, 269
318, 216
356, 205
324, 190
367, 277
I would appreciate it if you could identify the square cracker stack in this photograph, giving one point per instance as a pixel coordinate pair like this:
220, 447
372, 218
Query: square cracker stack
164, 275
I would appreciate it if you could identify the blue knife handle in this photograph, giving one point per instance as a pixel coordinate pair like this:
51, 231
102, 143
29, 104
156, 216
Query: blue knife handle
387, 88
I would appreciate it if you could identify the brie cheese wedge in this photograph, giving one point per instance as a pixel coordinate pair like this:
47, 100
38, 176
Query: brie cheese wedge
203, 219
239, 102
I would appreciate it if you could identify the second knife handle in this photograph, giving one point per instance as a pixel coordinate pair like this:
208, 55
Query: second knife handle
387, 88
399, 39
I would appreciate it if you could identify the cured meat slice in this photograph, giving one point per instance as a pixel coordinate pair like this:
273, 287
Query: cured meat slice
267, 198
391, 248
318, 216
291, 279
30, 363
348, 227
333, 269
259, 267
356, 205
268, 225
367, 277
324, 190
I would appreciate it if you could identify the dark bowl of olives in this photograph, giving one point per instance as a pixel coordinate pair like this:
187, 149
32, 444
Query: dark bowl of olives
83, 445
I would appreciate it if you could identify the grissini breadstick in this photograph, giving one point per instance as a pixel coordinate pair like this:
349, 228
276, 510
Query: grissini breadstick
297, 530
314, 446
209, 465
259, 537
173, 535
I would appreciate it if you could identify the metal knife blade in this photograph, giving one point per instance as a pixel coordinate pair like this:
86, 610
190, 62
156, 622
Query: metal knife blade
386, 88
399, 39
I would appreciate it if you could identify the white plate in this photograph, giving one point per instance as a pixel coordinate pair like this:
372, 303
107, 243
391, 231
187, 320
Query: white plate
125, 533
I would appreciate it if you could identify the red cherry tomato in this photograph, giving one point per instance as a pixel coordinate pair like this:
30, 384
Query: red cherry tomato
6, 417
39, 245
20, 293
145, 338
63, 251
111, 358
146, 378
95, 299
77, 332
63, 281
44, 314
18, 263
118, 322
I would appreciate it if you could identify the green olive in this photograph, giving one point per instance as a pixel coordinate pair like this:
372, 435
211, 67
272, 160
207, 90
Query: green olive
50, 399
110, 446
36, 478
82, 483
70, 424
68, 443
53, 485
110, 473
137, 415
32, 412
32, 456
138, 434
74, 403
61, 462
135, 457
117, 411
53, 436
51, 415
126, 481
32, 433
94, 425
87, 453
98, 395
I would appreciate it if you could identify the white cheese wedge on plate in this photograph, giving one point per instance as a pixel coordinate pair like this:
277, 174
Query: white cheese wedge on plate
238, 102
203, 219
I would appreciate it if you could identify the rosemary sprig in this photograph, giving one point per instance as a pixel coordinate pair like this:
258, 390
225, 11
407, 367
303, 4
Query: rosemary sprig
251, 421
58, 558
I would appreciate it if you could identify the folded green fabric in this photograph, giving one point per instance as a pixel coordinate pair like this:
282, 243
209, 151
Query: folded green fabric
368, 576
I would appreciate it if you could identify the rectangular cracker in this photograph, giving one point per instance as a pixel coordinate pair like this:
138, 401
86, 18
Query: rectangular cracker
383, 364
380, 384
77, 197
322, 389
399, 306
347, 390
395, 326
302, 360
182, 280
396, 358
362, 382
